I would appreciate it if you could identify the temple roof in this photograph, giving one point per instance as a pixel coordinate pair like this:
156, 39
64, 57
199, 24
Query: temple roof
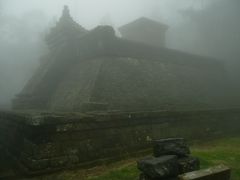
65, 29
143, 21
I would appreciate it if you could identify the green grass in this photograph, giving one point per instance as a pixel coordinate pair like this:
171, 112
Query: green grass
129, 172
223, 151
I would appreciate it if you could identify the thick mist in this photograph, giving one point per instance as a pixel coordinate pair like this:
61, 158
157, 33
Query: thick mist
213, 31
209, 28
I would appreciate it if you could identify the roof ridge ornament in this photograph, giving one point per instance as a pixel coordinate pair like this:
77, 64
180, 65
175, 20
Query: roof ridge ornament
66, 11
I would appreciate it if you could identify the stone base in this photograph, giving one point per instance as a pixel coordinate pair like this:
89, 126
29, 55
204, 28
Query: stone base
161, 167
48, 142
188, 164
144, 177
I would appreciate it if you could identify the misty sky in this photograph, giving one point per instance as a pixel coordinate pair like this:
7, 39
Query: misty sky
90, 12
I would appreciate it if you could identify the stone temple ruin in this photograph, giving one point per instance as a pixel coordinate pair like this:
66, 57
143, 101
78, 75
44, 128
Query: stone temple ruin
96, 71
97, 98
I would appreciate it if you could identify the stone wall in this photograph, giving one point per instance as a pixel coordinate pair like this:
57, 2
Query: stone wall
43, 142
128, 76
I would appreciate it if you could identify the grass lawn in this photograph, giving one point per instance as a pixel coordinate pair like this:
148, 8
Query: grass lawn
223, 151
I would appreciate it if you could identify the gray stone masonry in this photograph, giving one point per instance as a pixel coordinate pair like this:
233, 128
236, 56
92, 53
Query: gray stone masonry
220, 172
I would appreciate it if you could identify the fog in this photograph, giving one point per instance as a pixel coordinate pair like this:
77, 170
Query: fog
213, 31
209, 28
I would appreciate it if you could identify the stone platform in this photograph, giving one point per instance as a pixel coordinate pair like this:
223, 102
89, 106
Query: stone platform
44, 142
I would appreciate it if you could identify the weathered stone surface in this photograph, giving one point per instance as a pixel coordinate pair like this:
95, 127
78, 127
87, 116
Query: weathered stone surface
33, 164
220, 172
161, 167
144, 177
125, 134
188, 164
59, 162
171, 146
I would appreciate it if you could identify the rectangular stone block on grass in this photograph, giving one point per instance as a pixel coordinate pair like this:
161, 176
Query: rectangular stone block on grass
220, 172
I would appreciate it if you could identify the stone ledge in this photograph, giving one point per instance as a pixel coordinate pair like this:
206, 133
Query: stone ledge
220, 172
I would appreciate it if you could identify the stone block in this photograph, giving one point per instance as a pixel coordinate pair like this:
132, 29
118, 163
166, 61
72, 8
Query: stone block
171, 146
144, 177
73, 159
59, 162
161, 167
35, 165
188, 164
220, 172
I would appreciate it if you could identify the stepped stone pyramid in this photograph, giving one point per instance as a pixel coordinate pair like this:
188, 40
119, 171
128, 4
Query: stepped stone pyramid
93, 70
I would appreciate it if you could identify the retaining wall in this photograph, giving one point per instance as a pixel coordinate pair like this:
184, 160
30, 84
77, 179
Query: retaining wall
43, 142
